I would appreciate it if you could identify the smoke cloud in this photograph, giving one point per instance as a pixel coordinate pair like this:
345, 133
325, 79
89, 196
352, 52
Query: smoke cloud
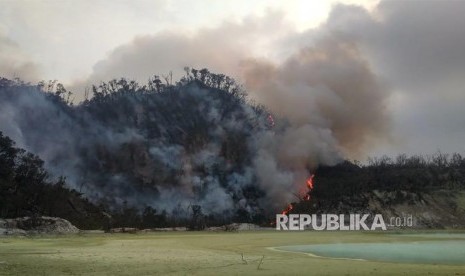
360, 80
327, 105
416, 48
220, 49
14, 63
328, 86
320, 78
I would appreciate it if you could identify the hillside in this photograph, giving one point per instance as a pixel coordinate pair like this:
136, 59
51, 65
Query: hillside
160, 147
196, 152
431, 189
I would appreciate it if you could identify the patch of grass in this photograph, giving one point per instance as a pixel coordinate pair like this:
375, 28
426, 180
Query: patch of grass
197, 253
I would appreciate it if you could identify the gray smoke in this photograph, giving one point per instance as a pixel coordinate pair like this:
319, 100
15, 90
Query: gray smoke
14, 63
329, 88
114, 158
328, 105
220, 49
334, 104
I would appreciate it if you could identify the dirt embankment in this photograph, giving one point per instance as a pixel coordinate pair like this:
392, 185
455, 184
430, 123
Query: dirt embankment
438, 209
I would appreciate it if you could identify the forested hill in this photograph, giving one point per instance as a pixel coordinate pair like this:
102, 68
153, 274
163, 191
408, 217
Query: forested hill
155, 154
430, 188
168, 146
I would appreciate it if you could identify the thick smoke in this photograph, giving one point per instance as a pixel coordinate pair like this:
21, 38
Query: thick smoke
319, 77
186, 145
327, 87
189, 144
198, 147
333, 102
14, 63
220, 49
418, 49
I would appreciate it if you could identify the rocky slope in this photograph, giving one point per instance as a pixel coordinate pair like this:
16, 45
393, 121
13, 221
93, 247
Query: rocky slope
37, 225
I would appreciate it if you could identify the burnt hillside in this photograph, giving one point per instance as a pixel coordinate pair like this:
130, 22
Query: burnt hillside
149, 155
163, 145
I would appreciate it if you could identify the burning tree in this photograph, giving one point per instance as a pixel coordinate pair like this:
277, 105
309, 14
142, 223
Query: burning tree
304, 194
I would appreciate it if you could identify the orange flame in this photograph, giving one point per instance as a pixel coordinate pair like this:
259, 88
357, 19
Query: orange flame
306, 197
288, 209
310, 182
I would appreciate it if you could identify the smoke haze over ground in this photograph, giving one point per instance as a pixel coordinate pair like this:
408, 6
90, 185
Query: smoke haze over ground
200, 142
412, 50
363, 82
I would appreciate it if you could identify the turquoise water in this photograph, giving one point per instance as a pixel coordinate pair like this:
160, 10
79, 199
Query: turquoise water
430, 252
434, 235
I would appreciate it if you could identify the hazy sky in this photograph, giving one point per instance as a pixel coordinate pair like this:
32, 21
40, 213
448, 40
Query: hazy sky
65, 38
414, 48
